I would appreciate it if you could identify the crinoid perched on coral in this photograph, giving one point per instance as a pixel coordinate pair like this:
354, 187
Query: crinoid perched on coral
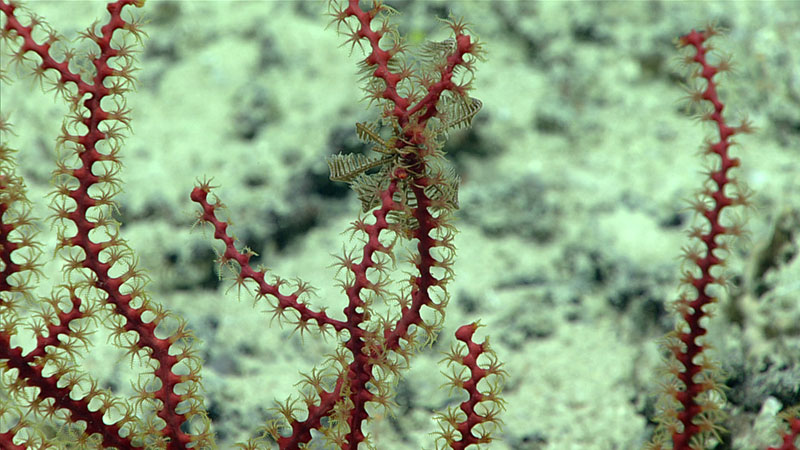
401, 263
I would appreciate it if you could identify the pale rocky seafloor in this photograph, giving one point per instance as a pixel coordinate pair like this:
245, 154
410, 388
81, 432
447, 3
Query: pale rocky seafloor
575, 176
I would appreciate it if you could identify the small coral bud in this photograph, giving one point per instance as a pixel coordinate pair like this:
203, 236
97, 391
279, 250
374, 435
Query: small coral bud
465, 332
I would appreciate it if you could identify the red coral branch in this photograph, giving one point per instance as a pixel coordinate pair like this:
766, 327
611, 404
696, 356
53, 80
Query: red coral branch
691, 408
791, 434
480, 409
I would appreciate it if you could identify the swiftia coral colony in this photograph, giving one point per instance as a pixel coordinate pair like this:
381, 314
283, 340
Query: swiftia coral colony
409, 192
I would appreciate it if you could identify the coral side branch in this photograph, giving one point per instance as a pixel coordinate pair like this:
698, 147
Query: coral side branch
413, 110
247, 272
30, 369
472, 422
690, 409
